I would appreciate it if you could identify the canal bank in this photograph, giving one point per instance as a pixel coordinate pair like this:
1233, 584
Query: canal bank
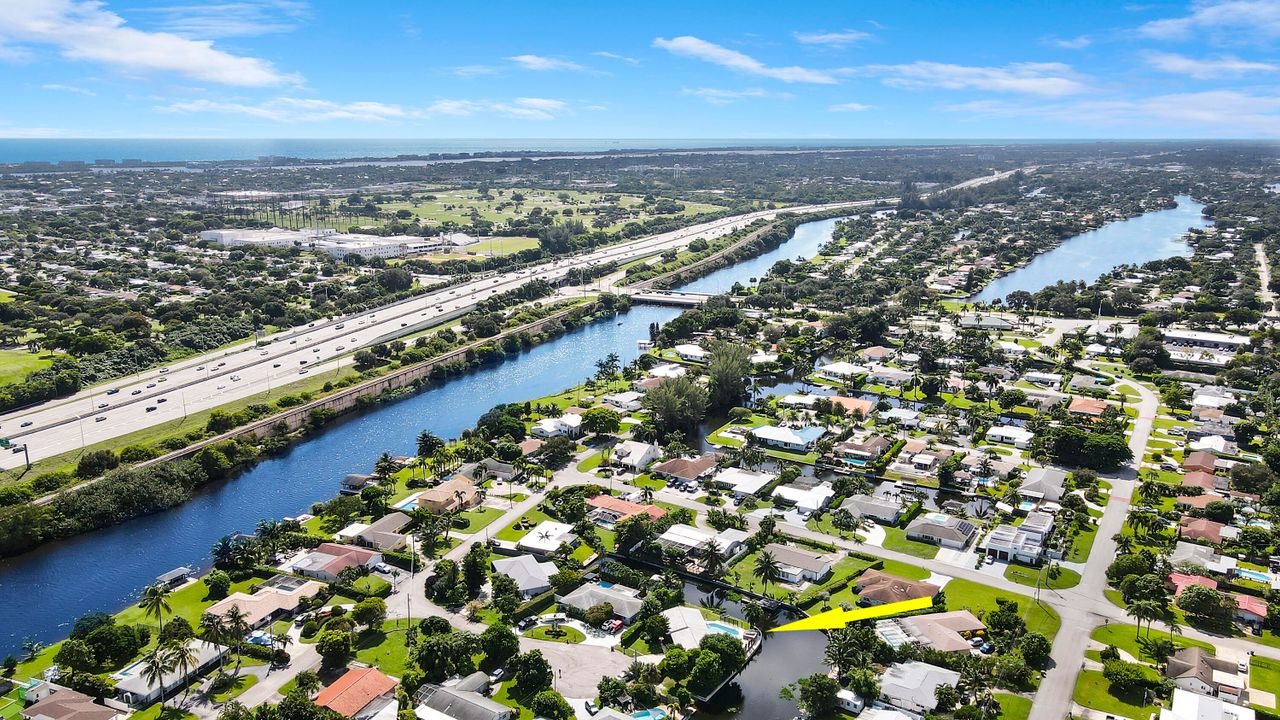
1086, 257
43, 591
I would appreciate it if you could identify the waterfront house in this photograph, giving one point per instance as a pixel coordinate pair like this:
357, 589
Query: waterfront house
742, 482
359, 694
797, 565
134, 688
487, 469
66, 704
329, 559
944, 632
888, 376
454, 495
628, 401
807, 494
876, 353
868, 449
913, 686
876, 587
941, 529
1048, 484
881, 510
634, 455
568, 425
531, 575
854, 407
841, 372
692, 353
626, 601
901, 416
799, 440
355, 482
687, 469
693, 541
280, 596
382, 534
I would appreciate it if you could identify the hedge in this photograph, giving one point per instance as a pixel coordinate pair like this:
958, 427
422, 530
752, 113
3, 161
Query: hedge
534, 605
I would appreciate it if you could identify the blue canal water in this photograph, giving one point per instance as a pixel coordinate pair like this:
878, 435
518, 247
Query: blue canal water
1151, 236
805, 243
43, 591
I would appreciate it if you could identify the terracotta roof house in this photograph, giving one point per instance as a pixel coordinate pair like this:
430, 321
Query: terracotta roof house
1200, 529
876, 587
357, 691
851, 405
445, 497
947, 631
1205, 480
875, 352
610, 510
1250, 609
1092, 407
688, 469
67, 704
1200, 460
1195, 501
1181, 581
869, 449
329, 559
281, 594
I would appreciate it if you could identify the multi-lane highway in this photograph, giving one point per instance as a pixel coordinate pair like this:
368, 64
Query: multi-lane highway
214, 379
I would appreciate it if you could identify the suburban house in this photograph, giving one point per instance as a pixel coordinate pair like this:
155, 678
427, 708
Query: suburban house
881, 510
531, 575
1200, 460
628, 401
853, 406
797, 565
635, 455
905, 417
1193, 706
382, 534
626, 601
361, 693
67, 704
743, 482
1202, 529
941, 529
329, 559
464, 700
133, 687
945, 632
888, 376
608, 510
841, 371
1196, 670
807, 494
487, 469
868, 449
1205, 557
692, 353
975, 321
687, 469
1010, 544
1206, 481
547, 537
667, 371
1046, 379
1012, 434
692, 540
1250, 609
793, 439
876, 353
1086, 406
279, 596
876, 587
567, 425
453, 495
1044, 483
912, 686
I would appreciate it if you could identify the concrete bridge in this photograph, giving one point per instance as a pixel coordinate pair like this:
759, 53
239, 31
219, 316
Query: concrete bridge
670, 297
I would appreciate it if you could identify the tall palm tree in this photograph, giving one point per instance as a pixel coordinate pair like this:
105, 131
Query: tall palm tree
713, 563
183, 659
767, 569
237, 628
213, 632
155, 603
1143, 610
845, 651
154, 666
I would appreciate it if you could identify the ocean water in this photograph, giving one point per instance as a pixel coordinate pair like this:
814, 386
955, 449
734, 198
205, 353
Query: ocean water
208, 149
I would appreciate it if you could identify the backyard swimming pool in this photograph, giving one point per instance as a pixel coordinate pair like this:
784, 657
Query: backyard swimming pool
724, 629
1254, 575
650, 714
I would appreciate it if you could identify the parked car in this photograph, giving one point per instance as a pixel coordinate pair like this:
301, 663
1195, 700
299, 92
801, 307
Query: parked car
991, 560
384, 568
986, 648
496, 676
591, 707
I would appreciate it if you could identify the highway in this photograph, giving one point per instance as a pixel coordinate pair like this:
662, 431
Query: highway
213, 379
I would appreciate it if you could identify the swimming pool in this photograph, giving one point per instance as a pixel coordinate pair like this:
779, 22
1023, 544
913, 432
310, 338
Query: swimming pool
1027, 505
650, 714
1254, 575
856, 462
604, 584
1260, 523
724, 629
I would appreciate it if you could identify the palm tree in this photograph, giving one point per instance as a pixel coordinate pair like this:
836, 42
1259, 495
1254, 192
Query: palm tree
155, 603
237, 628
282, 639
213, 632
845, 651
1124, 543
713, 563
154, 666
182, 658
1141, 610
767, 569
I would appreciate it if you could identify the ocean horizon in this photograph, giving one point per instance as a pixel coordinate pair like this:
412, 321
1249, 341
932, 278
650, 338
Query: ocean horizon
160, 150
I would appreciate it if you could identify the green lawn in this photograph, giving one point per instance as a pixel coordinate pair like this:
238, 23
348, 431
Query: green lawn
903, 570
384, 648
1028, 576
1013, 707
1265, 673
565, 634
1094, 691
187, 602
646, 481
503, 695
896, 539
980, 599
241, 683
153, 713
523, 525
1124, 638
372, 585
591, 463
478, 519
1082, 545
15, 365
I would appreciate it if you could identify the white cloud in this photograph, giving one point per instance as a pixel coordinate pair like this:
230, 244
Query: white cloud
1043, 79
69, 88
86, 30
849, 107
615, 56
1205, 68
833, 39
1078, 42
1214, 113
717, 96
542, 63
232, 19
689, 46
302, 110
1232, 20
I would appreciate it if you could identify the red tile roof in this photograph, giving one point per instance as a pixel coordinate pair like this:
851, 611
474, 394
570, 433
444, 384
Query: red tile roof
625, 509
1200, 460
1086, 405
1251, 604
1181, 582
1201, 529
350, 693
1200, 479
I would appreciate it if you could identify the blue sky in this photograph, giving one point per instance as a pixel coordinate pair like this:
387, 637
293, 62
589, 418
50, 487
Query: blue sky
743, 69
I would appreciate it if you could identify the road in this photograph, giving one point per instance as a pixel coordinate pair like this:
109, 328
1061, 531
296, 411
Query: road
1264, 276
214, 379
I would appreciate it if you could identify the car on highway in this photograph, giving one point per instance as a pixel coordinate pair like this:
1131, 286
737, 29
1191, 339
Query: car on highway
136, 392
265, 352
150, 385
113, 391
404, 324
221, 364
315, 350
162, 380
303, 371
164, 370
302, 362
339, 326
102, 406
222, 387
340, 348
150, 408
28, 423
200, 368
235, 378
275, 365
100, 418
293, 342
162, 400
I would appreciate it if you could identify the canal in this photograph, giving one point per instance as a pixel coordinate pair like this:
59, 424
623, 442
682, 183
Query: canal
44, 591
1151, 236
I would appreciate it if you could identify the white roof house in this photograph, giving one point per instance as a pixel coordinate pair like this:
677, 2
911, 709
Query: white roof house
634, 454
1043, 378
841, 371
911, 685
547, 537
691, 352
1012, 434
743, 482
902, 416
1011, 348
804, 401
629, 400
530, 574
796, 439
567, 425
809, 499
668, 370
1194, 706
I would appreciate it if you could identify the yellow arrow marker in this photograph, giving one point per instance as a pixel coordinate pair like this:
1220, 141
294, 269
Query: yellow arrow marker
838, 618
